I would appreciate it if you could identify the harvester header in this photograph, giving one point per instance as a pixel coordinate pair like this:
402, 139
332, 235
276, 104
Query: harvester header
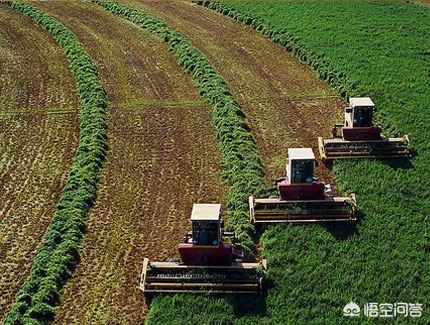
301, 197
209, 261
359, 138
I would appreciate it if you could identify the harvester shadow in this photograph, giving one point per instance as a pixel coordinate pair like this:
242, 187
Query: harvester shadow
243, 305
343, 230
248, 305
398, 163
394, 163
339, 230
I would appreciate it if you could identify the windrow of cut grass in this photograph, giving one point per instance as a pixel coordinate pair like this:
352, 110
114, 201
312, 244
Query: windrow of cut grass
243, 171
242, 166
58, 254
385, 258
39, 134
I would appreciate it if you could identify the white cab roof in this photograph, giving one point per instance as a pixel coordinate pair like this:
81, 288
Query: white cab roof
301, 153
360, 102
206, 212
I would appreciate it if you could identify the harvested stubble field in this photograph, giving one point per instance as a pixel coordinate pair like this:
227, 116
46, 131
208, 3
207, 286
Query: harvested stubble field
38, 137
285, 104
162, 157
163, 154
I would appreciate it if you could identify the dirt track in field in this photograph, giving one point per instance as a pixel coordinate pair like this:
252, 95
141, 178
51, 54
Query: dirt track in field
39, 131
163, 155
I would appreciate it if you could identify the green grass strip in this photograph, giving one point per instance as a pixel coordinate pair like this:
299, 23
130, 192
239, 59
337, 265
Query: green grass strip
58, 254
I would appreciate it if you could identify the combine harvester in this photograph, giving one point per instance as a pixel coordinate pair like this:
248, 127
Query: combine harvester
359, 138
207, 263
301, 198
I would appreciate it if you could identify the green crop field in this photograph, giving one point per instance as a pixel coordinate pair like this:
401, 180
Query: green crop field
166, 99
383, 52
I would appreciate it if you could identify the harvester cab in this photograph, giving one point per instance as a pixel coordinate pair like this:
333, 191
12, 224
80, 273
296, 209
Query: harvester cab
299, 182
205, 244
360, 113
301, 197
357, 137
209, 261
358, 121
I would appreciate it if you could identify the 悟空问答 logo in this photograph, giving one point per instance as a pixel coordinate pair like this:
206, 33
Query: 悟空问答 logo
351, 309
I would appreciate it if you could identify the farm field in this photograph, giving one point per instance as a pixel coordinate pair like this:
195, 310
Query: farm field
282, 107
38, 137
134, 103
386, 256
174, 210
163, 156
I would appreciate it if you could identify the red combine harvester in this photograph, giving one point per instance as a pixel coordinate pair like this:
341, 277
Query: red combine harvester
207, 262
301, 198
358, 138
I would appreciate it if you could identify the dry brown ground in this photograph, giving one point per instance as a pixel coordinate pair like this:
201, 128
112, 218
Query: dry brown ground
39, 131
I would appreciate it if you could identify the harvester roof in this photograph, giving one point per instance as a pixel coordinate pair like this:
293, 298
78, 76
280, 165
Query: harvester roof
205, 212
300, 154
361, 102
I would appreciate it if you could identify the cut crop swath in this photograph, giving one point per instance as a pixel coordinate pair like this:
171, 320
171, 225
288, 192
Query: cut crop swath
59, 254
243, 169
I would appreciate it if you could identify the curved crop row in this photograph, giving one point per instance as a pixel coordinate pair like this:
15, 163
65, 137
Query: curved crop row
338, 80
58, 254
384, 257
243, 168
